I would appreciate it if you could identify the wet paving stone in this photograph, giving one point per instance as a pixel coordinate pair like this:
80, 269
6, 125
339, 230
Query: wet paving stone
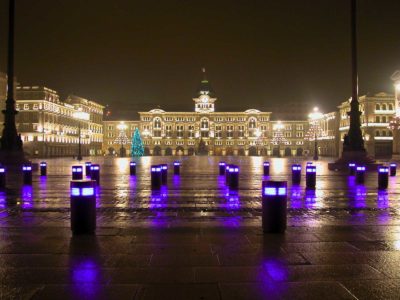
198, 240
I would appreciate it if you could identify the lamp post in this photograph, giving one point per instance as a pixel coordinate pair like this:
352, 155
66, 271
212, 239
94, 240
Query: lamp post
314, 116
258, 134
80, 116
122, 139
278, 137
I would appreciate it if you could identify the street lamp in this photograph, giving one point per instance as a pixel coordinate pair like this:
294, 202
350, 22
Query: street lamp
80, 116
122, 138
257, 134
278, 137
314, 117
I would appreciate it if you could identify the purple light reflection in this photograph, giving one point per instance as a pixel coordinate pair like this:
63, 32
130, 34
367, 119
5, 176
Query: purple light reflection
27, 197
276, 269
296, 199
158, 199
3, 200
85, 277
311, 198
383, 199
360, 196
232, 200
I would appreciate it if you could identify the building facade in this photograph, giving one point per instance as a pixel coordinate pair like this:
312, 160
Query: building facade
326, 131
206, 130
376, 113
50, 127
118, 136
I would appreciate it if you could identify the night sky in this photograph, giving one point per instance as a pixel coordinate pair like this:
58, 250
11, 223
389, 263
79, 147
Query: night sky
144, 54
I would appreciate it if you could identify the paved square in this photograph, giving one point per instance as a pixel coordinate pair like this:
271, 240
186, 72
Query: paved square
197, 240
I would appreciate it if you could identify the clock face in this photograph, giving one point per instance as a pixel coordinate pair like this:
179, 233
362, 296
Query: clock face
204, 99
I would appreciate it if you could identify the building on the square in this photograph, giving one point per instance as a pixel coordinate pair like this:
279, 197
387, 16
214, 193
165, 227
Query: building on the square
217, 133
326, 128
287, 138
118, 136
50, 127
376, 113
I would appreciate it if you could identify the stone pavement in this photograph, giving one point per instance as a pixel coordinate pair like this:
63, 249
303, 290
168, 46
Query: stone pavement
343, 242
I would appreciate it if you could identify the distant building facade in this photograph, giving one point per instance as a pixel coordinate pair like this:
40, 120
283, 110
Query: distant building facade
218, 133
114, 133
49, 127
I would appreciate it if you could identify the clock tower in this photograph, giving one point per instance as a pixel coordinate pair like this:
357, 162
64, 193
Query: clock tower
204, 100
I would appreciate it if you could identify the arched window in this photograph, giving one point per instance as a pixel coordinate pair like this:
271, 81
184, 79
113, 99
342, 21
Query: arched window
383, 106
383, 119
252, 123
390, 133
157, 123
377, 107
377, 133
377, 119
390, 106
383, 133
204, 124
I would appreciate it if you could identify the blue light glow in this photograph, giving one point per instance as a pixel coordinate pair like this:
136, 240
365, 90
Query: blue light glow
164, 167
2, 170
266, 164
133, 163
393, 165
87, 191
383, 170
273, 191
352, 164
360, 168
222, 164
26, 168
311, 170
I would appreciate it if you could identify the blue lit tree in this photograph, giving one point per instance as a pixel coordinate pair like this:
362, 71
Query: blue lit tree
137, 149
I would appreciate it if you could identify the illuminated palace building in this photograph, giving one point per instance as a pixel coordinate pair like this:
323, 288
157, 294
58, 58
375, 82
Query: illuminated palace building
51, 127
207, 131
376, 113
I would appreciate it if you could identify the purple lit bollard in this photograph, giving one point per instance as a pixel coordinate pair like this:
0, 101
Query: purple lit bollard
227, 167
352, 169
95, 173
296, 174
83, 207
27, 174
77, 173
393, 169
309, 163
233, 177
87, 168
164, 173
311, 176
43, 168
222, 167
266, 168
383, 177
132, 168
274, 206
177, 168
155, 177
3, 179
360, 174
